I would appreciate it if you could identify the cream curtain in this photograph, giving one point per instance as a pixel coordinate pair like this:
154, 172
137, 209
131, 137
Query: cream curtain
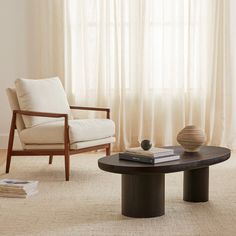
45, 20
231, 84
159, 65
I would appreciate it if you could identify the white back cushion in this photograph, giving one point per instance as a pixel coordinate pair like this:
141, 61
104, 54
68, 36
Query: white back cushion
42, 95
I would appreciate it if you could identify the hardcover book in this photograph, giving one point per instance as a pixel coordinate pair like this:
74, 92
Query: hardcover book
147, 159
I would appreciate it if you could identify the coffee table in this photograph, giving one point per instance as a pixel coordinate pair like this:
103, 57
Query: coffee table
143, 185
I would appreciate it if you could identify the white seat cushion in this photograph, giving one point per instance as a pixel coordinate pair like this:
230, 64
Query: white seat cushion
42, 95
80, 130
74, 146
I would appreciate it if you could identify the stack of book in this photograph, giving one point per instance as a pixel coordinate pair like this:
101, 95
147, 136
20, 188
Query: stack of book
152, 156
18, 188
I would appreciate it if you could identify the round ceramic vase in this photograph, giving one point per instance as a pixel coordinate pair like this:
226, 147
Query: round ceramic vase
191, 138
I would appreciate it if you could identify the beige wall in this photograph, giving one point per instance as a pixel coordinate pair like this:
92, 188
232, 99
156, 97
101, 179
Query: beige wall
28, 48
13, 55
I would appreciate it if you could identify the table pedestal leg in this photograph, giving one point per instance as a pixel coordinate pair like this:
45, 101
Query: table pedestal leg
196, 185
143, 195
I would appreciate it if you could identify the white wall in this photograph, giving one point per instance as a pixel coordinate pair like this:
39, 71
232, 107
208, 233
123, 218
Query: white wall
24, 50
13, 55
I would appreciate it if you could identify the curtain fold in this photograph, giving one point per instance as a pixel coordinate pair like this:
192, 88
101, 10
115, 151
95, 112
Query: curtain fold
46, 43
159, 65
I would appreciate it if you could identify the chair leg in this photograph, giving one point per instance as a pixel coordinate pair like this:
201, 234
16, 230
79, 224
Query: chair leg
67, 166
108, 150
8, 164
10, 142
50, 159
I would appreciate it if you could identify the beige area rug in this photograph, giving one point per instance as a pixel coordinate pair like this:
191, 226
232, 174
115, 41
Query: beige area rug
90, 203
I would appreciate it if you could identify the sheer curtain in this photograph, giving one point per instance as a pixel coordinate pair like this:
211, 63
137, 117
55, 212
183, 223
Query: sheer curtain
159, 65
45, 38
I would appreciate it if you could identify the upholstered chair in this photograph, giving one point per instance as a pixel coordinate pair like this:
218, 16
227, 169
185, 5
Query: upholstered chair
45, 125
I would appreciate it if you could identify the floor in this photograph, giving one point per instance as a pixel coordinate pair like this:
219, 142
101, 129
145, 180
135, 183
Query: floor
89, 204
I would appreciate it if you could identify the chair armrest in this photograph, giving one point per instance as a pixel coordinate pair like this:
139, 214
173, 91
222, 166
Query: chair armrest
107, 110
46, 114
41, 114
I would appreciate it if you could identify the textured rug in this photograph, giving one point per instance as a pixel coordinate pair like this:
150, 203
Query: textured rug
90, 203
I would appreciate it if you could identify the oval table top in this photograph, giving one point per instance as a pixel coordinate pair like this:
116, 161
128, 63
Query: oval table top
208, 155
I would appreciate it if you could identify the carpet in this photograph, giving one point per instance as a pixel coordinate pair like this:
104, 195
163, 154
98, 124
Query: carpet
89, 204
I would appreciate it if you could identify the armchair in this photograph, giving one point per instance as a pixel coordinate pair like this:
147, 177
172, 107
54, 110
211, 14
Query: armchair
56, 132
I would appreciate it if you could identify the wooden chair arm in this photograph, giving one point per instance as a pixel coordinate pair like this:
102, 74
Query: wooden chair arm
46, 114
107, 110
41, 114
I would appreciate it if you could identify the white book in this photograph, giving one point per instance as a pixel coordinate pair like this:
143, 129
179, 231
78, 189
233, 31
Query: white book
153, 152
9, 190
17, 185
2, 194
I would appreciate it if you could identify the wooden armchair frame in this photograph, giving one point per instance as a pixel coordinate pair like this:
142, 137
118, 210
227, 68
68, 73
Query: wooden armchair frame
51, 152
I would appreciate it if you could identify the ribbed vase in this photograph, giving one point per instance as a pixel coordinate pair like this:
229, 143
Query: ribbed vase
191, 138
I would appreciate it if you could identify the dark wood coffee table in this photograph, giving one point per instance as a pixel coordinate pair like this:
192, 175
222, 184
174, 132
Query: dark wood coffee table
143, 185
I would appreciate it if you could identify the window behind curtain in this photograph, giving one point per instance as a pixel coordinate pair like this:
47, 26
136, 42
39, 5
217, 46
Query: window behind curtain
170, 35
